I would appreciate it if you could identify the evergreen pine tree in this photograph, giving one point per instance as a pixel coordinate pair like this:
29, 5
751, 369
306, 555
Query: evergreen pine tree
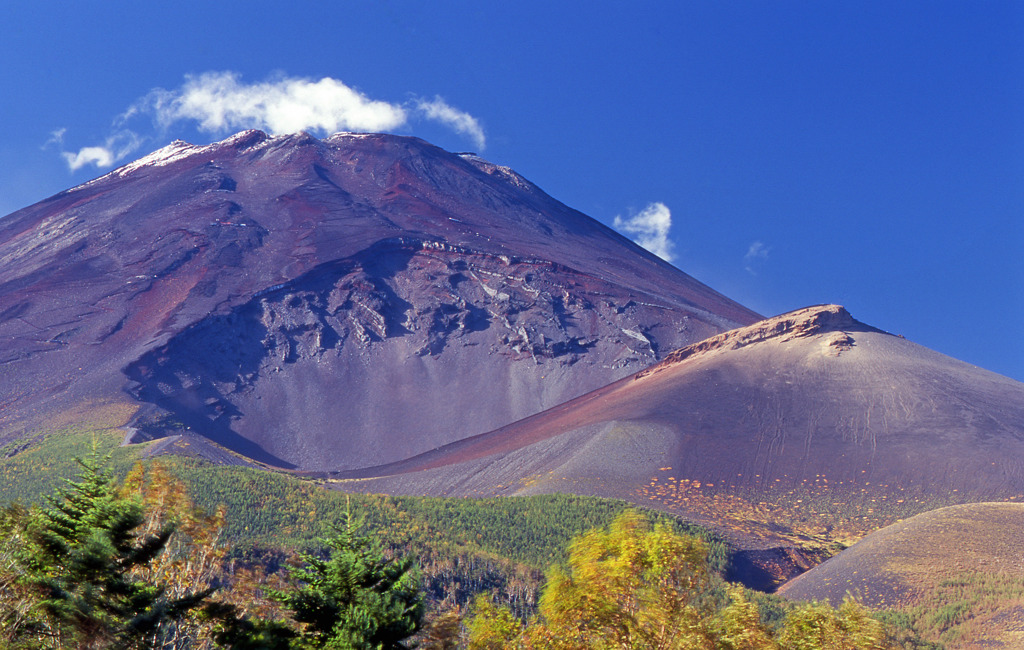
356, 598
78, 561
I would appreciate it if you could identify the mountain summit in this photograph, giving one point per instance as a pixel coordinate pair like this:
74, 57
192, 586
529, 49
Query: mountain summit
323, 304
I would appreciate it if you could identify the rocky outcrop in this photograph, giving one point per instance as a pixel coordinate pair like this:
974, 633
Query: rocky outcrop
833, 320
411, 302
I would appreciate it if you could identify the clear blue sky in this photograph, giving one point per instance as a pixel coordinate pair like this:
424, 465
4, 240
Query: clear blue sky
864, 153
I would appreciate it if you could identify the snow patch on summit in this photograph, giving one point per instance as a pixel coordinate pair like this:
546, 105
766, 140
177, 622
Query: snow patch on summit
177, 150
343, 135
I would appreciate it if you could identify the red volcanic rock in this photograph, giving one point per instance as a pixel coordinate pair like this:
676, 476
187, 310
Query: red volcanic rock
323, 304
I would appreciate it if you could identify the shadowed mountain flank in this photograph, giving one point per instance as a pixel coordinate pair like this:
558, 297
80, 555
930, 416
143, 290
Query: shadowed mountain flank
324, 304
806, 425
371, 330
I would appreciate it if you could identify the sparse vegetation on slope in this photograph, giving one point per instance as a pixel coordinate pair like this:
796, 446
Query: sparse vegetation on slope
953, 574
104, 568
33, 468
806, 512
465, 547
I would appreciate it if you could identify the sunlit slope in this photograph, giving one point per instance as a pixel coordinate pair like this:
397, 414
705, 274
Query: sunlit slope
959, 572
810, 424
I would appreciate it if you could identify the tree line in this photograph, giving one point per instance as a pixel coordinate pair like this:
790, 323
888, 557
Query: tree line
133, 564
102, 566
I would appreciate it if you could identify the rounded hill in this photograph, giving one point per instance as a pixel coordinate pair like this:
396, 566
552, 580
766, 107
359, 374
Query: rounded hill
959, 571
809, 426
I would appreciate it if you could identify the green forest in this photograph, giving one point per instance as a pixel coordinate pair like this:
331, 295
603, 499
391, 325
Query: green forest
108, 552
105, 551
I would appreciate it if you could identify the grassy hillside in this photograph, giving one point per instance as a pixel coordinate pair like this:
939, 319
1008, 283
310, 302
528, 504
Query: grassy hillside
954, 574
273, 509
29, 470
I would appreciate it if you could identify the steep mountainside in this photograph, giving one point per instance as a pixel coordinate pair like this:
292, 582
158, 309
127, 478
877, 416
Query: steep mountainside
806, 426
323, 304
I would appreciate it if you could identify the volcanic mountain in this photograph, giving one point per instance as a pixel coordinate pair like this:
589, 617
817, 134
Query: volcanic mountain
323, 304
806, 426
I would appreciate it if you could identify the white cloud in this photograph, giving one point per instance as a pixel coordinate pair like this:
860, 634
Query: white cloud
651, 228
56, 138
756, 253
98, 156
220, 102
116, 147
460, 121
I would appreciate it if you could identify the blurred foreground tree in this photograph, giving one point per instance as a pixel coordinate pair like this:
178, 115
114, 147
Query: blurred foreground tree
192, 560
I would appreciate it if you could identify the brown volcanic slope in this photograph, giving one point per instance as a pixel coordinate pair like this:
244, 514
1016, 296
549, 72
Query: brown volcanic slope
323, 304
967, 558
809, 426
